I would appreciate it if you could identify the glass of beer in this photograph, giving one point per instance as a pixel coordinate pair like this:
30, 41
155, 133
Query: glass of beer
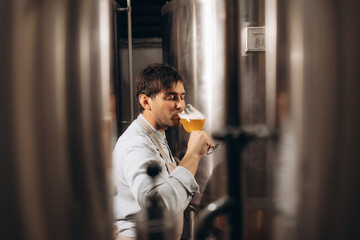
193, 120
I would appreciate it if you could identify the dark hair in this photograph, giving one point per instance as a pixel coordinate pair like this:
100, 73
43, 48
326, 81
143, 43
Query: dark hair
154, 79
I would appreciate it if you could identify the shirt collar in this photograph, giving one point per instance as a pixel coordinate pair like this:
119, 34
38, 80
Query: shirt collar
160, 135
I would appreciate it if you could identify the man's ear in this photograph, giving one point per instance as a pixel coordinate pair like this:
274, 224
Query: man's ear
145, 101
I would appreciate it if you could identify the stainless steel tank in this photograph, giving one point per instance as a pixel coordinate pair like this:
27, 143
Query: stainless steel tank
316, 191
305, 87
55, 70
193, 42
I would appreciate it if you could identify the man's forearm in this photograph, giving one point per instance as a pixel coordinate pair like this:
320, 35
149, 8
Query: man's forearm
190, 162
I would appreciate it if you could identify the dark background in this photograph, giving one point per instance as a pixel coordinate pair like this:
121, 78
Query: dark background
146, 19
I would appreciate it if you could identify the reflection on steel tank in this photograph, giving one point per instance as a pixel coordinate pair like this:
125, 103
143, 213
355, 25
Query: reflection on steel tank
316, 190
303, 184
194, 43
55, 70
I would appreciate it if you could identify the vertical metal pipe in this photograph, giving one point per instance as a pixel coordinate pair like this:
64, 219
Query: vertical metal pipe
117, 83
232, 63
192, 224
131, 77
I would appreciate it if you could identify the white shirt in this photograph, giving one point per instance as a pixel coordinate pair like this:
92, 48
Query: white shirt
132, 153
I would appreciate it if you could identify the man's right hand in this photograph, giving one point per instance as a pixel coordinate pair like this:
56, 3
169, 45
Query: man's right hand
199, 143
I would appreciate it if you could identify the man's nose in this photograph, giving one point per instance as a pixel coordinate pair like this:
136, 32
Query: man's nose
180, 104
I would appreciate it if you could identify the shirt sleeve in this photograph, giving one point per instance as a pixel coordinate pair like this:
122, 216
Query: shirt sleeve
176, 190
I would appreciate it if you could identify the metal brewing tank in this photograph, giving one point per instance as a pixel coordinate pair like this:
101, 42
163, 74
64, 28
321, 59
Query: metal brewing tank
55, 70
193, 42
317, 175
312, 73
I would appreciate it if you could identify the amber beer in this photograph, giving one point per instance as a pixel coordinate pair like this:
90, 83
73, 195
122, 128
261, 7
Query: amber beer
192, 124
193, 120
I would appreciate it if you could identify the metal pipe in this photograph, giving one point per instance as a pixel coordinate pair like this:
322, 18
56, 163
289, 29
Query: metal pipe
222, 205
130, 57
192, 213
233, 113
232, 59
116, 63
131, 77
236, 138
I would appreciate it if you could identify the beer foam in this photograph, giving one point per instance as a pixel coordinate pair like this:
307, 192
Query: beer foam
196, 115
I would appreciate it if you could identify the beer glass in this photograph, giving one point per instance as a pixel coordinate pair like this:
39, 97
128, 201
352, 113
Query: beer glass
193, 120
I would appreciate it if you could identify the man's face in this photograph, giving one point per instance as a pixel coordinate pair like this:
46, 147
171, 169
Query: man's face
166, 105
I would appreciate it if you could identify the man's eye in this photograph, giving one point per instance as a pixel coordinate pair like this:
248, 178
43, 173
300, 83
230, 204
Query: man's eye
171, 98
175, 98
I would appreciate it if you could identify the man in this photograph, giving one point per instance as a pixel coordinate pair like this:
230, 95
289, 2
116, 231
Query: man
160, 92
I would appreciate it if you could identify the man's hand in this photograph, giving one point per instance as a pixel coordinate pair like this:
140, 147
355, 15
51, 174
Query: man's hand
198, 145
